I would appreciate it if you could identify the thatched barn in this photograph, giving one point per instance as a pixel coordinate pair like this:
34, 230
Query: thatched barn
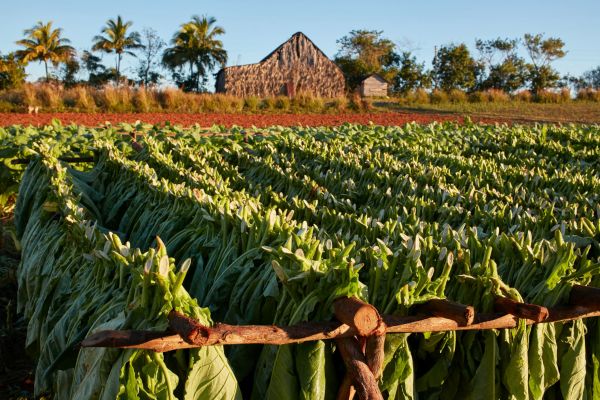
297, 66
374, 86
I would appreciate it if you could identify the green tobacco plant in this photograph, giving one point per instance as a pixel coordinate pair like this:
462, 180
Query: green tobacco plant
272, 228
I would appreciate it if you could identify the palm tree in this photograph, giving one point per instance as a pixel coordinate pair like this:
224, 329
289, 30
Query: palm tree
196, 45
116, 39
44, 44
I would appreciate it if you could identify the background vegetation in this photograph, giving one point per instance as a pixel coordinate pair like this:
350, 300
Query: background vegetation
497, 70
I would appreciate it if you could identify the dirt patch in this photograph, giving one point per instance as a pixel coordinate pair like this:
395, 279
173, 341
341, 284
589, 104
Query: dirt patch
16, 368
228, 120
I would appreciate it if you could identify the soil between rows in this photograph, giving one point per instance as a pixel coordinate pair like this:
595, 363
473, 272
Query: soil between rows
244, 120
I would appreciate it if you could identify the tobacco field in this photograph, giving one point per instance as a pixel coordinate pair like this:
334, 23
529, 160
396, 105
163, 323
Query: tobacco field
270, 226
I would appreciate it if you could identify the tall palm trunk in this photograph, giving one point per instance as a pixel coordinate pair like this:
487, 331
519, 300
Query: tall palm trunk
46, 67
118, 74
191, 70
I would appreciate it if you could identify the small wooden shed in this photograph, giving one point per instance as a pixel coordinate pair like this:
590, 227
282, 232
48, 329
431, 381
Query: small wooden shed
374, 86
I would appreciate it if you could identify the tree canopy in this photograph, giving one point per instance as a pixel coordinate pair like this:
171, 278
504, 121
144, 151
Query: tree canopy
148, 70
364, 52
411, 75
116, 38
542, 52
12, 72
195, 46
455, 68
44, 44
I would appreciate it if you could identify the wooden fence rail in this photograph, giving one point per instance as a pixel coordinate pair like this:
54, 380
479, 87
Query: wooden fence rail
359, 331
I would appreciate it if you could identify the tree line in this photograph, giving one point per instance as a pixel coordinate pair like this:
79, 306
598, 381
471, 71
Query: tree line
497, 65
195, 51
192, 53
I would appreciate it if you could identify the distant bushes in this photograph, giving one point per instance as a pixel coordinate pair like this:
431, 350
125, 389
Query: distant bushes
437, 96
589, 95
52, 98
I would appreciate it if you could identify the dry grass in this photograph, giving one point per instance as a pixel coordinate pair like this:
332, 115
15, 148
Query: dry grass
576, 111
545, 106
52, 98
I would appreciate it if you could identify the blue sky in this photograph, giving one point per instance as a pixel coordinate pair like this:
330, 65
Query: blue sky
254, 28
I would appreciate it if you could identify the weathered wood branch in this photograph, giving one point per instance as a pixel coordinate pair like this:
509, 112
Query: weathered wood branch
522, 310
362, 317
462, 314
374, 351
220, 334
148, 340
356, 365
347, 390
585, 296
223, 334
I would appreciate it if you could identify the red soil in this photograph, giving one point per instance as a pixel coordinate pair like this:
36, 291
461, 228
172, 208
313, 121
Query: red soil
207, 120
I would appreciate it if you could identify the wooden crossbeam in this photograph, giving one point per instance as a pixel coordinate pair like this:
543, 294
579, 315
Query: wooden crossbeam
224, 334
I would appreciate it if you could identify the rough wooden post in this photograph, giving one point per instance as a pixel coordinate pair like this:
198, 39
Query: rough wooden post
357, 314
374, 351
356, 365
365, 319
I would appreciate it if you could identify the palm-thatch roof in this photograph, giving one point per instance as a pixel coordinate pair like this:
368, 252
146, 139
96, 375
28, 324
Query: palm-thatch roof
297, 65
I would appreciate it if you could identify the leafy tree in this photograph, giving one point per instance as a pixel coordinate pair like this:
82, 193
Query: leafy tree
542, 52
148, 69
410, 75
69, 71
455, 68
505, 69
12, 72
509, 75
354, 71
364, 52
99, 75
195, 46
116, 38
44, 44
589, 80
489, 49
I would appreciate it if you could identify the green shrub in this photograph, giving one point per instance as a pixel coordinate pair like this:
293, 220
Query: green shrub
523, 95
143, 100
251, 104
489, 96
457, 96
235, 104
171, 99
337, 104
268, 104
356, 103
112, 99
419, 96
80, 99
478, 97
438, 96
7, 106
49, 97
589, 95
282, 103
549, 96
307, 103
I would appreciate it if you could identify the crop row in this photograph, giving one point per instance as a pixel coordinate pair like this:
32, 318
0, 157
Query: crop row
277, 226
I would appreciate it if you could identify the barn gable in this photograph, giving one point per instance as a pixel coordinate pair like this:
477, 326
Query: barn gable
297, 65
